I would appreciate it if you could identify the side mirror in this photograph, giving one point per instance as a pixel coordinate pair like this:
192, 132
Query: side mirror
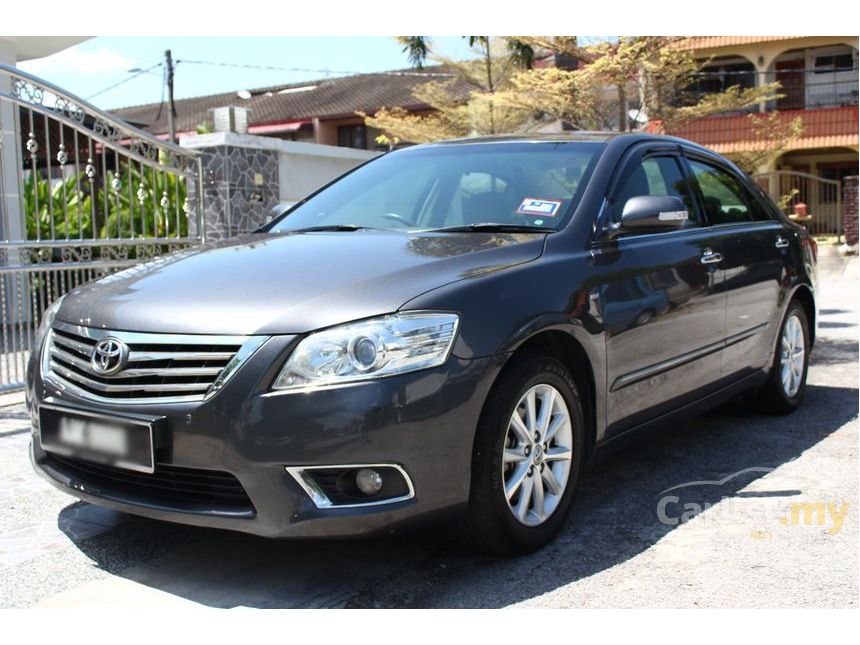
655, 213
278, 210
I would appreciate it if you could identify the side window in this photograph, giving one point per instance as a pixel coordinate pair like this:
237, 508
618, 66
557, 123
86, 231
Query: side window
659, 176
726, 200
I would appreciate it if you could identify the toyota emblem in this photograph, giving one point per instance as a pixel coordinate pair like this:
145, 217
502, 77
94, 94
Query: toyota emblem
109, 356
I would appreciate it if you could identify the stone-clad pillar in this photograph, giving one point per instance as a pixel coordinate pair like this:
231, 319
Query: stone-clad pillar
240, 186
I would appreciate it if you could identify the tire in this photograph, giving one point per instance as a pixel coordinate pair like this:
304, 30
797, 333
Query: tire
493, 523
779, 396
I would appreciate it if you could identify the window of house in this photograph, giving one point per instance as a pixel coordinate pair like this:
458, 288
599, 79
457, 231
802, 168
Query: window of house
834, 63
352, 136
725, 199
659, 176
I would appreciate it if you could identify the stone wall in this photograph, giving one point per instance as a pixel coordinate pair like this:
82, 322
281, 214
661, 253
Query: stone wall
849, 210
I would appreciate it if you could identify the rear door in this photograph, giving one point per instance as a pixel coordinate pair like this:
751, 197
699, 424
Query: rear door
752, 244
661, 301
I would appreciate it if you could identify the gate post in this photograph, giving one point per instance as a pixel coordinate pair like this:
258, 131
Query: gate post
849, 211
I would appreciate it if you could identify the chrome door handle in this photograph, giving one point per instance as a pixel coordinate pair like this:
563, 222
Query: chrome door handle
709, 257
781, 242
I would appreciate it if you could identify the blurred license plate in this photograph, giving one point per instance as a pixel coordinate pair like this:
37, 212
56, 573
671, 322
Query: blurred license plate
100, 438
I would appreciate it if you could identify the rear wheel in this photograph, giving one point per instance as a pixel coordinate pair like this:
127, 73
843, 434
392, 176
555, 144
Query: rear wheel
786, 383
527, 458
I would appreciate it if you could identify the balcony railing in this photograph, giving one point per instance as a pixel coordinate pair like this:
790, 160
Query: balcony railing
801, 89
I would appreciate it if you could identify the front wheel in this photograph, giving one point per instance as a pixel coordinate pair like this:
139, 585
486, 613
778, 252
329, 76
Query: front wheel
786, 383
527, 459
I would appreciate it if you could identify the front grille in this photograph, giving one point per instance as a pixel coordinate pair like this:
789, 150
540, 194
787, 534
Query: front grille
182, 367
175, 487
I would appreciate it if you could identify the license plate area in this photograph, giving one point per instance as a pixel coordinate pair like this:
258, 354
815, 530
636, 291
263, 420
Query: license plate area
117, 441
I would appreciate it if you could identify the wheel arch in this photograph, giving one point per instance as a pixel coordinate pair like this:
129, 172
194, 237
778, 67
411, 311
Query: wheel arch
804, 295
583, 364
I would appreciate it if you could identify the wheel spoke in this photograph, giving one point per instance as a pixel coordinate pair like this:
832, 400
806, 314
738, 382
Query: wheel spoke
555, 426
520, 429
547, 402
558, 453
513, 455
530, 412
522, 508
513, 484
537, 496
551, 482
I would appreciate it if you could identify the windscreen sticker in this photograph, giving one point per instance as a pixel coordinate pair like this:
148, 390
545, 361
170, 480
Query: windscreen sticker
539, 207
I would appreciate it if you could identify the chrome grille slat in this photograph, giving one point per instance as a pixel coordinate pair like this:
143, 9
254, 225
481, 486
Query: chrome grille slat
179, 356
104, 387
160, 367
135, 372
82, 348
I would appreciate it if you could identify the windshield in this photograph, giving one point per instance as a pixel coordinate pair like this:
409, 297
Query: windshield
534, 185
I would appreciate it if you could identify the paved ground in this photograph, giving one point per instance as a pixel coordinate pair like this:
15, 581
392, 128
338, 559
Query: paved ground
747, 542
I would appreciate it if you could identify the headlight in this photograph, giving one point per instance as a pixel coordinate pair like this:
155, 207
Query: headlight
48, 319
370, 349
44, 327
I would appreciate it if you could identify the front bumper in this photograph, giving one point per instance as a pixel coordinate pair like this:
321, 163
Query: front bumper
423, 422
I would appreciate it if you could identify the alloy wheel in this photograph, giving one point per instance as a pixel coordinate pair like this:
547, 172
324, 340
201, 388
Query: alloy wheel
537, 455
792, 355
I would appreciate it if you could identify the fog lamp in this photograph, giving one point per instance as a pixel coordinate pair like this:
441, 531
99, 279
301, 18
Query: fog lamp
368, 481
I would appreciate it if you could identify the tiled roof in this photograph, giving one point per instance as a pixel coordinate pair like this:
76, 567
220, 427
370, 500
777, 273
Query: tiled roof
325, 98
711, 42
822, 128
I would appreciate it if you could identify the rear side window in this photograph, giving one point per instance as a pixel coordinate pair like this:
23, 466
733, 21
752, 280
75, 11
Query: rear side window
726, 200
659, 176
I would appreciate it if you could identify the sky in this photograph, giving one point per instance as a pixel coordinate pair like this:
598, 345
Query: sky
88, 69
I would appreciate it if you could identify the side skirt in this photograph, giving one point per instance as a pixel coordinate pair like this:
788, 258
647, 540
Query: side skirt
687, 411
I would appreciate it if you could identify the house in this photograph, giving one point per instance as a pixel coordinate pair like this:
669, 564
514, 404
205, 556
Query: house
818, 75
321, 111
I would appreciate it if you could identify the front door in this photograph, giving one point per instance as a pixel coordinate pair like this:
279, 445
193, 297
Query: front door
662, 307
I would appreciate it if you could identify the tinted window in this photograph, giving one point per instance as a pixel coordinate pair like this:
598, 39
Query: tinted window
725, 199
532, 184
660, 176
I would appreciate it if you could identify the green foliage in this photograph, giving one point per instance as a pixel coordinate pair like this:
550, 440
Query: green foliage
114, 211
70, 202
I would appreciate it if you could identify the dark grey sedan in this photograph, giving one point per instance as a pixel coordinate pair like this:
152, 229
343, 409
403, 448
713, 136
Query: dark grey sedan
447, 333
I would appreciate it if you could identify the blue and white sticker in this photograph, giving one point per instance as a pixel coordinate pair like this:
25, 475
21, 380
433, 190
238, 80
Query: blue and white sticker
539, 207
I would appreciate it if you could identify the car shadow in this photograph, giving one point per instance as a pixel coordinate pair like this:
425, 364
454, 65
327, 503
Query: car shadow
614, 519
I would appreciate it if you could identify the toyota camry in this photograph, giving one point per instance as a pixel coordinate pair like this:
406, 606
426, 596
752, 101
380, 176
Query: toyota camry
448, 333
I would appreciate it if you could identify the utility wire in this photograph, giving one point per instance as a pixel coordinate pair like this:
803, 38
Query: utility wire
275, 68
123, 81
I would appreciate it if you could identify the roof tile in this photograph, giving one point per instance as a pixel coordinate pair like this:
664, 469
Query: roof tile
325, 98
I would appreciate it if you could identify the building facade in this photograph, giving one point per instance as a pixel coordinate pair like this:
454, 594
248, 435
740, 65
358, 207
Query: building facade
819, 80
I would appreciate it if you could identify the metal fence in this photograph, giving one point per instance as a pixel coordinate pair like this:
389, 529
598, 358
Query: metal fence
823, 198
82, 195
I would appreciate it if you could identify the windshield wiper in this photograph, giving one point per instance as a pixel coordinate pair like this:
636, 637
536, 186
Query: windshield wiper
490, 227
327, 227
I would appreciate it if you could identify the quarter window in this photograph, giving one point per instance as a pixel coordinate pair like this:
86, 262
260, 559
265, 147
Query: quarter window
659, 176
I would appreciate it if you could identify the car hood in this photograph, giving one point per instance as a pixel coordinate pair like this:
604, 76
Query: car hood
290, 282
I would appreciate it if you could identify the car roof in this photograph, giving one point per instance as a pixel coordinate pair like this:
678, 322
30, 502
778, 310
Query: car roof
577, 135
621, 140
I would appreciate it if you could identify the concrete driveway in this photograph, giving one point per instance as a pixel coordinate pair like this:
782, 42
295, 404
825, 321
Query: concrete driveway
763, 511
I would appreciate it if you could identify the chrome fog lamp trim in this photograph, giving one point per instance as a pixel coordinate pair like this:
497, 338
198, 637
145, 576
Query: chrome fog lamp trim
321, 500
